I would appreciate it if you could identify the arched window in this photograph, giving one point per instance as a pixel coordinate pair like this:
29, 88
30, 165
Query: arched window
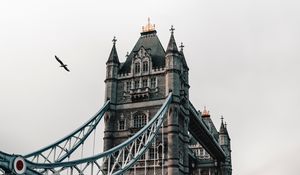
153, 82
152, 153
145, 66
139, 120
128, 85
137, 68
222, 140
201, 153
160, 151
145, 83
136, 84
121, 124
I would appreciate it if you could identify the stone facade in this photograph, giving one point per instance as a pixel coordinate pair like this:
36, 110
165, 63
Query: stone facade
137, 88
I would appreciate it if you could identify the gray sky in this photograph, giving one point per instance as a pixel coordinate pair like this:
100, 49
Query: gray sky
243, 58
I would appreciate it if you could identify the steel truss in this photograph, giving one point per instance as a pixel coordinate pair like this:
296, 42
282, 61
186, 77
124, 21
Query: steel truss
115, 161
64, 147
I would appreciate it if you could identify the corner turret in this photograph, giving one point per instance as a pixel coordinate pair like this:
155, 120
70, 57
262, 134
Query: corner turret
113, 56
224, 141
173, 66
172, 46
112, 68
224, 138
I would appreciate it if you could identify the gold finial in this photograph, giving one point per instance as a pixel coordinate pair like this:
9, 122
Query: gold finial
222, 118
148, 27
205, 112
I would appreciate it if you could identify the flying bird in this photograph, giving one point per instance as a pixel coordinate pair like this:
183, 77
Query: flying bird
62, 64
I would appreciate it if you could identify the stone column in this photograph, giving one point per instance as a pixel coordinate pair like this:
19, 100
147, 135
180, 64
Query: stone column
173, 157
108, 137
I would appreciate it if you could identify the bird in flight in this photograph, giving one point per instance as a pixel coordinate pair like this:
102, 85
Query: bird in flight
62, 64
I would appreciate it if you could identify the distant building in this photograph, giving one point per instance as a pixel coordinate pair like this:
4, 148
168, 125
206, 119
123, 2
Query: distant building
138, 87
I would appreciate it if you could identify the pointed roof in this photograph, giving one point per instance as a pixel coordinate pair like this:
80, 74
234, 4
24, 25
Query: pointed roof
208, 121
223, 129
172, 46
226, 131
183, 57
113, 56
152, 45
226, 128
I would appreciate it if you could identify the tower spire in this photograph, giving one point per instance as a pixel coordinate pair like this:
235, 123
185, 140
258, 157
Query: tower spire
172, 29
183, 57
223, 129
113, 56
172, 46
114, 40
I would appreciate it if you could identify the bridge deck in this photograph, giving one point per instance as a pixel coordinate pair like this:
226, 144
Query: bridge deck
202, 134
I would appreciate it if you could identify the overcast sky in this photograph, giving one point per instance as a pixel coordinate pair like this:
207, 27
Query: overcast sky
243, 57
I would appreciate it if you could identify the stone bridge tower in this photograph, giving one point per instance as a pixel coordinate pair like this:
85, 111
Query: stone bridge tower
137, 88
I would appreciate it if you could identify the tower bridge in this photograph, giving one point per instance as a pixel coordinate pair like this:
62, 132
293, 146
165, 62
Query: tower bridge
150, 125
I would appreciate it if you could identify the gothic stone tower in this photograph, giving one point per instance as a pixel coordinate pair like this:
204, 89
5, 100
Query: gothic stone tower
138, 87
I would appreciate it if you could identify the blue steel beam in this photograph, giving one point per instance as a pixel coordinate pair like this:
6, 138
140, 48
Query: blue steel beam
159, 117
202, 134
7, 160
152, 128
90, 124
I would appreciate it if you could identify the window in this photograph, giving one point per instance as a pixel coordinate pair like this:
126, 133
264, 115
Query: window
145, 83
153, 82
201, 152
222, 140
145, 66
136, 84
137, 68
152, 153
160, 151
139, 120
121, 125
128, 85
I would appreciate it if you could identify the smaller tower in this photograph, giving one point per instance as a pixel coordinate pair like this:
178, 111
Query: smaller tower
224, 141
208, 121
177, 146
112, 68
184, 76
173, 66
